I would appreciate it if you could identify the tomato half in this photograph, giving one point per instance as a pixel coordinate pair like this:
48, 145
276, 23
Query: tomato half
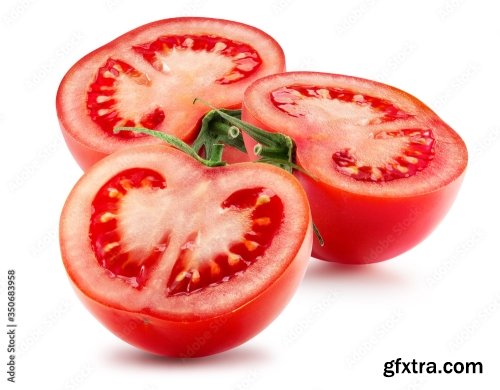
150, 76
183, 260
387, 168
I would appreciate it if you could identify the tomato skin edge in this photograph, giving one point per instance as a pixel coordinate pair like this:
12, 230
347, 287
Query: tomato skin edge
83, 155
188, 339
360, 229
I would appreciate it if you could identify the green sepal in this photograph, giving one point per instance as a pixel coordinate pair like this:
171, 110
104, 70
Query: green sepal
216, 130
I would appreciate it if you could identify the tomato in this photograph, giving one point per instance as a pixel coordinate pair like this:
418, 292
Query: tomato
150, 76
180, 259
386, 168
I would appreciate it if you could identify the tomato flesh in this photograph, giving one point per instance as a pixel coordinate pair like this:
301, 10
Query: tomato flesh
192, 272
417, 144
288, 100
150, 76
174, 247
103, 231
386, 167
413, 158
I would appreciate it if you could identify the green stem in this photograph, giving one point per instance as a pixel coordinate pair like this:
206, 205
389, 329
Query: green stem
216, 154
214, 158
318, 235
271, 152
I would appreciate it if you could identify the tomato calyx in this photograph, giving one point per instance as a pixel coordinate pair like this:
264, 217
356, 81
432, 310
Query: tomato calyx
273, 148
216, 130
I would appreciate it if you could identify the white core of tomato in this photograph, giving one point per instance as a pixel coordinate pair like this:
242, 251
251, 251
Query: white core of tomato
349, 122
186, 74
149, 214
195, 68
333, 110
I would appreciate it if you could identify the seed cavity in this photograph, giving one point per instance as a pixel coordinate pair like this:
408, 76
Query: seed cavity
181, 276
214, 269
233, 259
219, 46
265, 211
195, 276
114, 193
110, 246
416, 153
245, 58
102, 106
264, 221
107, 216
262, 199
251, 245
103, 233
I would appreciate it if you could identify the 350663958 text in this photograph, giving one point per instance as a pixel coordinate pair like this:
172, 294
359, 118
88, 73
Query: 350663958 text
11, 325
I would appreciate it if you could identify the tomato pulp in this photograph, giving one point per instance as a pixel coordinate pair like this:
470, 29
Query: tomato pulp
183, 260
149, 78
386, 167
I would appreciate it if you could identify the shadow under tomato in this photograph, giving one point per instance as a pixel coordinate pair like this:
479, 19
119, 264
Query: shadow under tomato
369, 275
242, 356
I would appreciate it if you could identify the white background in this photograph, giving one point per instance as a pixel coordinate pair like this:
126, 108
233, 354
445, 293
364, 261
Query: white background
438, 302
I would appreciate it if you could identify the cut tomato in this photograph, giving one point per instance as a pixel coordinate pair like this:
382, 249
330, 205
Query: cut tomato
183, 260
387, 168
150, 76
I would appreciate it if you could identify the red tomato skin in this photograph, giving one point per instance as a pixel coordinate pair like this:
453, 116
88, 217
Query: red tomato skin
83, 155
188, 339
359, 229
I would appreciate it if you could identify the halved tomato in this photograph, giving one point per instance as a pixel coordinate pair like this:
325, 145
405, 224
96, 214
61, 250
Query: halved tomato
180, 259
150, 76
386, 167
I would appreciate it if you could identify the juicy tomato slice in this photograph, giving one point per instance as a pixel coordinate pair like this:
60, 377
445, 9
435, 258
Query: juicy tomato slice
151, 237
388, 168
150, 76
